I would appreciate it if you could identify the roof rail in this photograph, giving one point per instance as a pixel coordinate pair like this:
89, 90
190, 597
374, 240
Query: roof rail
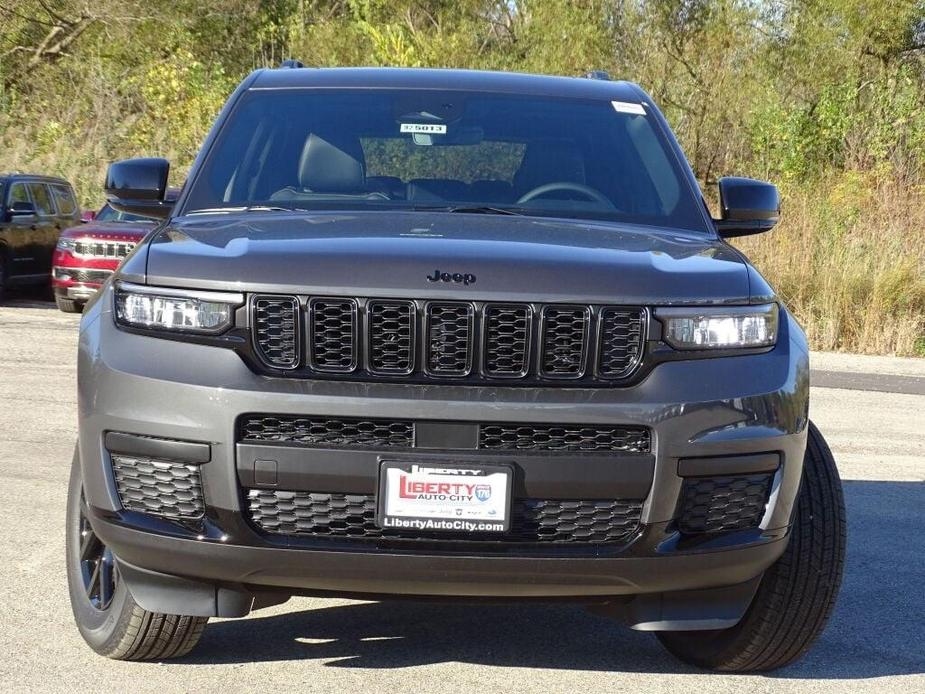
597, 75
291, 63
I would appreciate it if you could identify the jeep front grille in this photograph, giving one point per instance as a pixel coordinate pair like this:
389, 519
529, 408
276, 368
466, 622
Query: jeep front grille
391, 336
92, 248
346, 432
276, 330
448, 331
450, 341
353, 517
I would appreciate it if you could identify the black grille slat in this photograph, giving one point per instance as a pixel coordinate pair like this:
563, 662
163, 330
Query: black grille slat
507, 340
565, 438
564, 341
448, 335
276, 330
329, 432
721, 504
621, 336
391, 336
158, 487
333, 335
353, 516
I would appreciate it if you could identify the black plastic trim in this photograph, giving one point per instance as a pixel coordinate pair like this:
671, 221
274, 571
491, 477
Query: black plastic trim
167, 449
720, 466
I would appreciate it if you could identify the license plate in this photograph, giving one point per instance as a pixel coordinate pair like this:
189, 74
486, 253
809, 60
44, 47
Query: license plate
448, 497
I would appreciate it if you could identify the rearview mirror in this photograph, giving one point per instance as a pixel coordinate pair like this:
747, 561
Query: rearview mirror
747, 206
138, 186
22, 208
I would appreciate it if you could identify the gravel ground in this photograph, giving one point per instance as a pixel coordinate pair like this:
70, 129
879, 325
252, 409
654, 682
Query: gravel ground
875, 641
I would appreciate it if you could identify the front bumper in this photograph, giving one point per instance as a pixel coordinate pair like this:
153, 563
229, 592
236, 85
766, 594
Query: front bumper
733, 406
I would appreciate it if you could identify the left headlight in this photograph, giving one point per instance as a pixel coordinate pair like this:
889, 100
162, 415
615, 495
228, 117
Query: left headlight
720, 327
175, 310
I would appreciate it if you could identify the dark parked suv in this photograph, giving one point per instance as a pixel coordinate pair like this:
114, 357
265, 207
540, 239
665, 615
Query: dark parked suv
33, 212
456, 335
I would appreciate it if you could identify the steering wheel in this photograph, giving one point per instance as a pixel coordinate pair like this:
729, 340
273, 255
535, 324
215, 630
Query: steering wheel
587, 191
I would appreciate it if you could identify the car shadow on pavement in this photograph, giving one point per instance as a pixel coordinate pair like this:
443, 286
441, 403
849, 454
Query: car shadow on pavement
875, 630
28, 297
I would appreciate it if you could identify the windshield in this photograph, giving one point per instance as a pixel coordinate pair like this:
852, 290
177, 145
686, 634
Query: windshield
109, 214
463, 151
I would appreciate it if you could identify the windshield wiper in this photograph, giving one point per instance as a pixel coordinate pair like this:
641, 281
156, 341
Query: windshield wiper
468, 209
246, 208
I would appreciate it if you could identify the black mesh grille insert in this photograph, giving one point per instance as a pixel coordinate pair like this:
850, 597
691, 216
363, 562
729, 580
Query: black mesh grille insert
621, 331
564, 340
532, 520
449, 338
507, 337
391, 336
718, 504
327, 431
276, 322
333, 343
571, 437
158, 487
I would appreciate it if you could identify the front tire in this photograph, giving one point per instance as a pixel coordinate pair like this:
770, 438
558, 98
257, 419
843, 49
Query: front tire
107, 616
797, 593
68, 305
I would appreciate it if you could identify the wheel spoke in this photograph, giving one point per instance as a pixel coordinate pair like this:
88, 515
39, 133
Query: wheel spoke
93, 583
90, 544
105, 580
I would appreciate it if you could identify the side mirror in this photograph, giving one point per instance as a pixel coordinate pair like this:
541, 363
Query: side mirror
22, 208
746, 206
138, 186
87, 216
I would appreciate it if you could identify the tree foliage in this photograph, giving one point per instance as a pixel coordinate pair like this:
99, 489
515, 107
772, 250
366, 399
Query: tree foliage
822, 96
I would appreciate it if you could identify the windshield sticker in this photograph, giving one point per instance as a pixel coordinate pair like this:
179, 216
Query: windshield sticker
425, 128
628, 107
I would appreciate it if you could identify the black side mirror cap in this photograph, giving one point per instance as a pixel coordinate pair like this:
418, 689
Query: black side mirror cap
139, 186
22, 208
747, 206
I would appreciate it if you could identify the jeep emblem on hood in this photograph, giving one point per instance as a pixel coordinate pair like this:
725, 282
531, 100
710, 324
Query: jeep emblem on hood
457, 277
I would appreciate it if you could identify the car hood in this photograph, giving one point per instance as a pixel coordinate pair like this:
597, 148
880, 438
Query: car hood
120, 231
394, 253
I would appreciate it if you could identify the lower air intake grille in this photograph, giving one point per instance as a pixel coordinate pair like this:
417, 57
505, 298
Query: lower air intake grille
532, 521
158, 487
719, 504
276, 325
328, 431
578, 438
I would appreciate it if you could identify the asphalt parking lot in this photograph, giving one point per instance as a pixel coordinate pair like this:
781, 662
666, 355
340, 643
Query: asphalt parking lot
875, 641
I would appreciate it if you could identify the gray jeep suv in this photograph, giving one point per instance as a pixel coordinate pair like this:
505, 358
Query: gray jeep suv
456, 335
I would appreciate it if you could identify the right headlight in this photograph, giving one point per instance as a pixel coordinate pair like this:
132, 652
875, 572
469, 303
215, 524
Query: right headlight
719, 327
